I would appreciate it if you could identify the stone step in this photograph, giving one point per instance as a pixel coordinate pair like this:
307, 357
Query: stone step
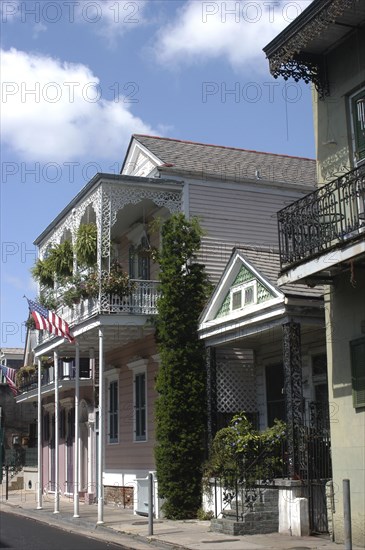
16, 484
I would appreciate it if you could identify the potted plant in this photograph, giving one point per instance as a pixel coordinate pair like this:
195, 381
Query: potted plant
24, 374
116, 281
48, 300
90, 284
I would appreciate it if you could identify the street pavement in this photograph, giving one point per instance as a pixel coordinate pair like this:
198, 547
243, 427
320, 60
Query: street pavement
123, 527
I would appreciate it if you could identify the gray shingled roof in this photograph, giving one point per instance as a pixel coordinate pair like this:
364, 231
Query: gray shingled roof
228, 162
267, 262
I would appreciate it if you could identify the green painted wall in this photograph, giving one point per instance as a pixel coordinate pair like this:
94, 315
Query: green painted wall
345, 317
346, 73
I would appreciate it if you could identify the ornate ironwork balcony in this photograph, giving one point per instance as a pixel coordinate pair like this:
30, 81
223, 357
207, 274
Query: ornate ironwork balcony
141, 300
30, 382
323, 220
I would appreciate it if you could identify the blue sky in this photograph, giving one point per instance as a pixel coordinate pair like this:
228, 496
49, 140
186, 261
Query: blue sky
79, 77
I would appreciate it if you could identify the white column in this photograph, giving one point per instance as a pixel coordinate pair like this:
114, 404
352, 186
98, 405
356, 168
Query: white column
91, 433
77, 430
57, 433
40, 448
101, 429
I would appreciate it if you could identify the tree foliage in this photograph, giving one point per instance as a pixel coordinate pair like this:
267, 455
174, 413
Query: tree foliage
181, 380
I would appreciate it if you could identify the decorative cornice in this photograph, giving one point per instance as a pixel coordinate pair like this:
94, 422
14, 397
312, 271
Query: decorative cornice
67, 402
137, 364
288, 58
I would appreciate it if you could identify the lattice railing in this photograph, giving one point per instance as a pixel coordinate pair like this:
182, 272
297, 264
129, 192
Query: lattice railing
320, 221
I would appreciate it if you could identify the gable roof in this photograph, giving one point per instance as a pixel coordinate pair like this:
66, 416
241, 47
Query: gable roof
227, 162
267, 262
264, 263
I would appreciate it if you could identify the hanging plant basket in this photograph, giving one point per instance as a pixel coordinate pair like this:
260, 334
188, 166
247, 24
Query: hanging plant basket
86, 245
43, 272
61, 259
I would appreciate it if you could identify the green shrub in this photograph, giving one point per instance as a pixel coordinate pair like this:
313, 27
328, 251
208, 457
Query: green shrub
181, 380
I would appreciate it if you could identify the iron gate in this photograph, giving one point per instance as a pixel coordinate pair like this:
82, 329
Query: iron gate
316, 468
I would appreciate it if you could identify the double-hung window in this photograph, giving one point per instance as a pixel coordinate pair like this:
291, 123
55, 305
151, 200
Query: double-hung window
113, 411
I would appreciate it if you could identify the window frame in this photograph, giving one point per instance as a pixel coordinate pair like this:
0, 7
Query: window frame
357, 374
357, 150
140, 412
241, 288
138, 367
113, 415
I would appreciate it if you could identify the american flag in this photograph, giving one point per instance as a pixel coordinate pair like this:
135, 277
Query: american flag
9, 375
48, 320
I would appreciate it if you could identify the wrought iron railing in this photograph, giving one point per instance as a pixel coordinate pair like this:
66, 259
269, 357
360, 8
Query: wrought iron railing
47, 377
241, 489
140, 300
322, 220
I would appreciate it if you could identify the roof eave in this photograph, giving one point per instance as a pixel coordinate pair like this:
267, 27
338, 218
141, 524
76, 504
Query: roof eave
297, 25
96, 180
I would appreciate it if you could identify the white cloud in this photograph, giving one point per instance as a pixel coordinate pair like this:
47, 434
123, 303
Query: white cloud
38, 28
54, 111
111, 18
236, 30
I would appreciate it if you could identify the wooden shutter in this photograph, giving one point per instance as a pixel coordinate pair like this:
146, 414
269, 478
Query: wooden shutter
357, 348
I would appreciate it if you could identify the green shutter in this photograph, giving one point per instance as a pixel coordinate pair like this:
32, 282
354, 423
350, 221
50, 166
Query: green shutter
358, 131
358, 372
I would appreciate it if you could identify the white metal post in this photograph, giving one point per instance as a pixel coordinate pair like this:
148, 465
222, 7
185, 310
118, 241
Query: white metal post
77, 430
56, 435
39, 445
101, 428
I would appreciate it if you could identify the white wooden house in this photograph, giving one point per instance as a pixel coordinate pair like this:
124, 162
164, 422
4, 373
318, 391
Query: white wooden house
235, 194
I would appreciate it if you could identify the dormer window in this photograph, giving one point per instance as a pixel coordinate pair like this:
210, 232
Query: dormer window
243, 295
357, 106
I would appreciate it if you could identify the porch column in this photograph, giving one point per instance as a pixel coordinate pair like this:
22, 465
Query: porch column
56, 435
293, 391
39, 445
91, 489
211, 393
77, 426
101, 428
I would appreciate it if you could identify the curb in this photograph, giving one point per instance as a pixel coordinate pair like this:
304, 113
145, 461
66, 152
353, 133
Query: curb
92, 530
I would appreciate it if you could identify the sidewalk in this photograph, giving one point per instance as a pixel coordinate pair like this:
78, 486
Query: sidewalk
123, 527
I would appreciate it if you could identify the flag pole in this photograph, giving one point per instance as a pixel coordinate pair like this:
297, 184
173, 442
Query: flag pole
40, 446
77, 442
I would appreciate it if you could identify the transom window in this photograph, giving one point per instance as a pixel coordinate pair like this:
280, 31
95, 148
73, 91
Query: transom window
243, 295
